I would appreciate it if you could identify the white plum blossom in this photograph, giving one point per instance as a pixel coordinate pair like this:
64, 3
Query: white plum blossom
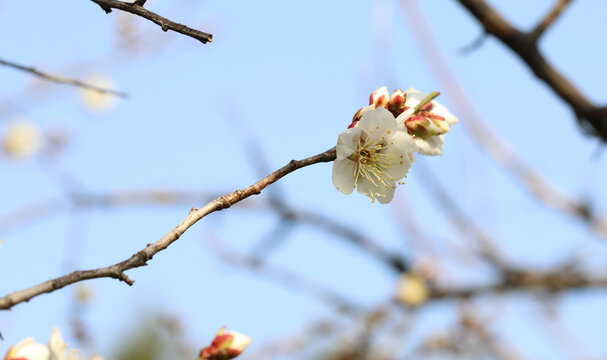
56, 349
436, 121
27, 349
373, 155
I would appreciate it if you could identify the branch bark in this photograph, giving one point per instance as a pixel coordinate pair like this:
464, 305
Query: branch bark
141, 258
137, 8
590, 116
61, 79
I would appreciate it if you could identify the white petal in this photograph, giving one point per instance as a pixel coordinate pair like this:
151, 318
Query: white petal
56, 345
239, 341
347, 142
382, 193
28, 349
401, 145
414, 97
376, 122
343, 175
400, 120
441, 110
431, 146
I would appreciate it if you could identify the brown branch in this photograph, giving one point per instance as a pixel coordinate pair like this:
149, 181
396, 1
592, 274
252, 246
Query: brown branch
137, 8
549, 19
141, 258
536, 184
62, 79
590, 116
558, 280
282, 276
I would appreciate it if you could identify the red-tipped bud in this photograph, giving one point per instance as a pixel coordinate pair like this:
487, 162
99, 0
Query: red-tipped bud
421, 127
380, 97
397, 100
226, 345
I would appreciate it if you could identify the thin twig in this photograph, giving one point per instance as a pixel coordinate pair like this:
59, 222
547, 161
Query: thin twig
283, 276
141, 258
590, 116
137, 8
549, 19
62, 79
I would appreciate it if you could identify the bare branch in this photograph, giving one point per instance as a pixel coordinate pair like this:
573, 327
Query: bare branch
590, 116
62, 79
141, 258
283, 276
549, 19
536, 184
137, 8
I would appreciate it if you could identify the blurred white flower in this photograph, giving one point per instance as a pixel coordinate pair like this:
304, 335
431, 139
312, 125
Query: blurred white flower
21, 138
27, 349
94, 100
373, 156
56, 349
428, 124
412, 290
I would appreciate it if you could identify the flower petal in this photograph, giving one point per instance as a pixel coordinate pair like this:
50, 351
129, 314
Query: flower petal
430, 146
347, 142
376, 122
401, 145
382, 193
343, 175
414, 97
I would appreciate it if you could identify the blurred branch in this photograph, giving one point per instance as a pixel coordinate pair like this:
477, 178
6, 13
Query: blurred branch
62, 79
558, 280
525, 45
549, 19
137, 8
141, 258
282, 276
500, 151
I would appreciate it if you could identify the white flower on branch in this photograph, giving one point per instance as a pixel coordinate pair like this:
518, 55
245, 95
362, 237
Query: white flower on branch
373, 156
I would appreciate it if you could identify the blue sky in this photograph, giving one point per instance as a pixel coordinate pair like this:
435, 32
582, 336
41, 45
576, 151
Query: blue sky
292, 74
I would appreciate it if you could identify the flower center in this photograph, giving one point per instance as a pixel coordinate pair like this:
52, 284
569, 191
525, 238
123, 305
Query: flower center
372, 162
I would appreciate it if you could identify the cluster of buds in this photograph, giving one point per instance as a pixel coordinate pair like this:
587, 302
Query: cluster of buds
427, 121
226, 345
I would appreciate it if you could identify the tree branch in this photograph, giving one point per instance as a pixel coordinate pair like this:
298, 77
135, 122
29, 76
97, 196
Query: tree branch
141, 258
137, 8
503, 154
590, 116
549, 19
61, 79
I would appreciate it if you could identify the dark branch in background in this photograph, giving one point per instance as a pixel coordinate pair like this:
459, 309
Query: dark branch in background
61, 79
525, 44
283, 276
141, 258
485, 137
137, 8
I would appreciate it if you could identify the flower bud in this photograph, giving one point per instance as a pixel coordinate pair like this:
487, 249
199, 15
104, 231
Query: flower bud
380, 97
226, 345
397, 102
422, 127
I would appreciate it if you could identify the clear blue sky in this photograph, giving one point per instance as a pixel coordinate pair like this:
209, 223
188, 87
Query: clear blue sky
294, 73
